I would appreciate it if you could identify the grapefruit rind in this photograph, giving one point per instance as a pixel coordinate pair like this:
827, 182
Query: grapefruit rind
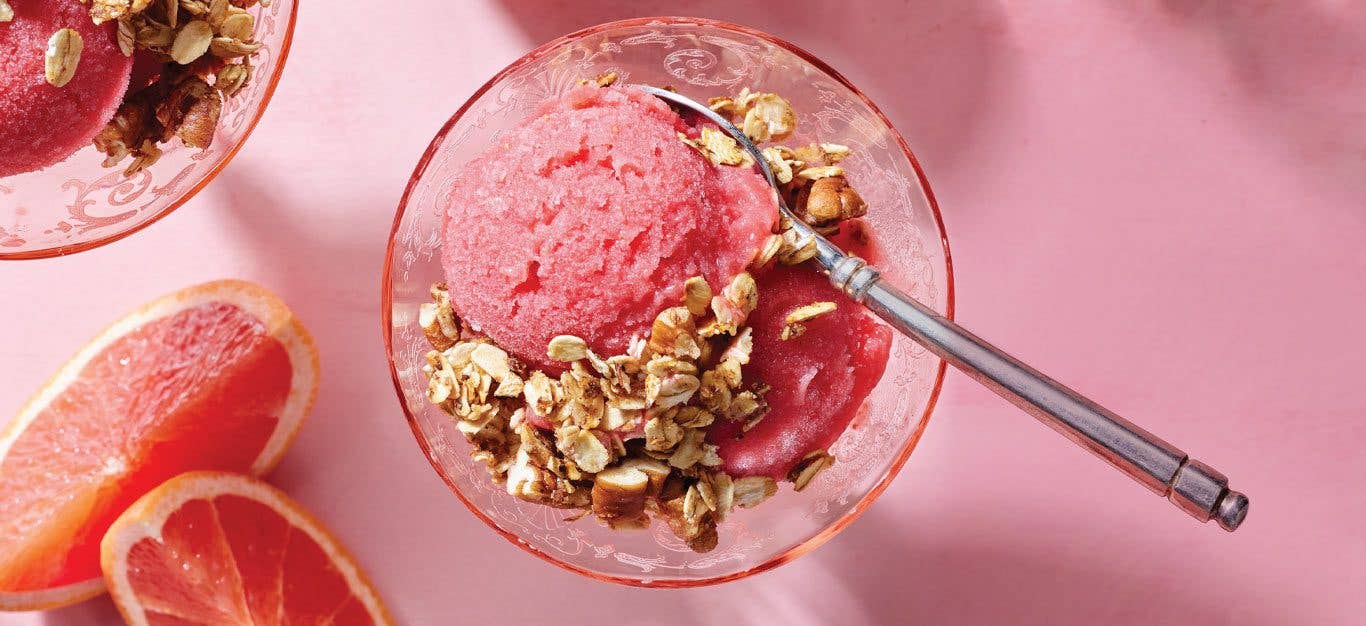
146, 517
256, 301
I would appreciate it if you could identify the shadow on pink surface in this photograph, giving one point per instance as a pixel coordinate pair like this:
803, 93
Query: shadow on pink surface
100, 610
1292, 62
935, 77
980, 575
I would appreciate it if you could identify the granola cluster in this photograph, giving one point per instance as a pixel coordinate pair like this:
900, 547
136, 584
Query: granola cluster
206, 46
624, 437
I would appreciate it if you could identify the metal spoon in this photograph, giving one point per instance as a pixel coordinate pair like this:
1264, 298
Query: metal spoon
1192, 486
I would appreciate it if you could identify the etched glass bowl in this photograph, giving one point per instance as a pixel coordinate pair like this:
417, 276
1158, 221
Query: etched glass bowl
700, 58
79, 204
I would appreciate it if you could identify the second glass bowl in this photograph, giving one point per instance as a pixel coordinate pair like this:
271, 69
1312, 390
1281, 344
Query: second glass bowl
700, 58
79, 204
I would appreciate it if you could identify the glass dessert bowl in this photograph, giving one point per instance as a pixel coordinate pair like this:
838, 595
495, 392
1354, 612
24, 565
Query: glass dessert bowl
80, 204
700, 58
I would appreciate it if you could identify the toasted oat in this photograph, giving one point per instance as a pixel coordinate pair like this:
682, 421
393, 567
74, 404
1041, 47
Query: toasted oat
231, 79
717, 147
827, 153
766, 252
539, 391
673, 333
696, 295
770, 118
779, 160
102, 11
796, 249
191, 42
63, 55
229, 48
813, 173
792, 324
238, 26
662, 392
724, 106
752, 490
736, 301
662, 433
809, 312
125, 36
806, 469
740, 348
567, 348
587, 451
441, 334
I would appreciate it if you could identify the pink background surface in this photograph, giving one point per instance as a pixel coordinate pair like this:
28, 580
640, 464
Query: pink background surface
1162, 203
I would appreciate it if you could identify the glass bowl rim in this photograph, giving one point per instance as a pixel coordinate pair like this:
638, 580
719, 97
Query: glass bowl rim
274, 81
386, 305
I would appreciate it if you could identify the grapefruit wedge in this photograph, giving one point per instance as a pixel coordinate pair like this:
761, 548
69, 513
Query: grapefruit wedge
213, 377
215, 548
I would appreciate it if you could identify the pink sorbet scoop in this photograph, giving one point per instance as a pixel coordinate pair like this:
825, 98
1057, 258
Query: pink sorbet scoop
818, 380
587, 219
40, 124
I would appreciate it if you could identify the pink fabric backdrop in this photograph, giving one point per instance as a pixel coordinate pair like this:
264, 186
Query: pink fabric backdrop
1162, 203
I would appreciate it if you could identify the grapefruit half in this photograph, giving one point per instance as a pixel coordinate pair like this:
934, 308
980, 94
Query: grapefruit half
213, 377
214, 548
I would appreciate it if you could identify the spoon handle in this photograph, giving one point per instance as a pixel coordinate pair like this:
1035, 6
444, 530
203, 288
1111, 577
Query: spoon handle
1192, 486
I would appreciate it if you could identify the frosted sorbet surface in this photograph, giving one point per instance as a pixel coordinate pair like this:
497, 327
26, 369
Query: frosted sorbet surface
41, 124
588, 218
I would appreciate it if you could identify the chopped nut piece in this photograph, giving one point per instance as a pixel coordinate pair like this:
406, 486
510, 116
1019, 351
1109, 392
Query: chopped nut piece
6, 13
828, 201
190, 112
63, 55
606, 79
751, 490
567, 348
620, 492
657, 471
191, 42
696, 296
427, 318
808, 467
770, 117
